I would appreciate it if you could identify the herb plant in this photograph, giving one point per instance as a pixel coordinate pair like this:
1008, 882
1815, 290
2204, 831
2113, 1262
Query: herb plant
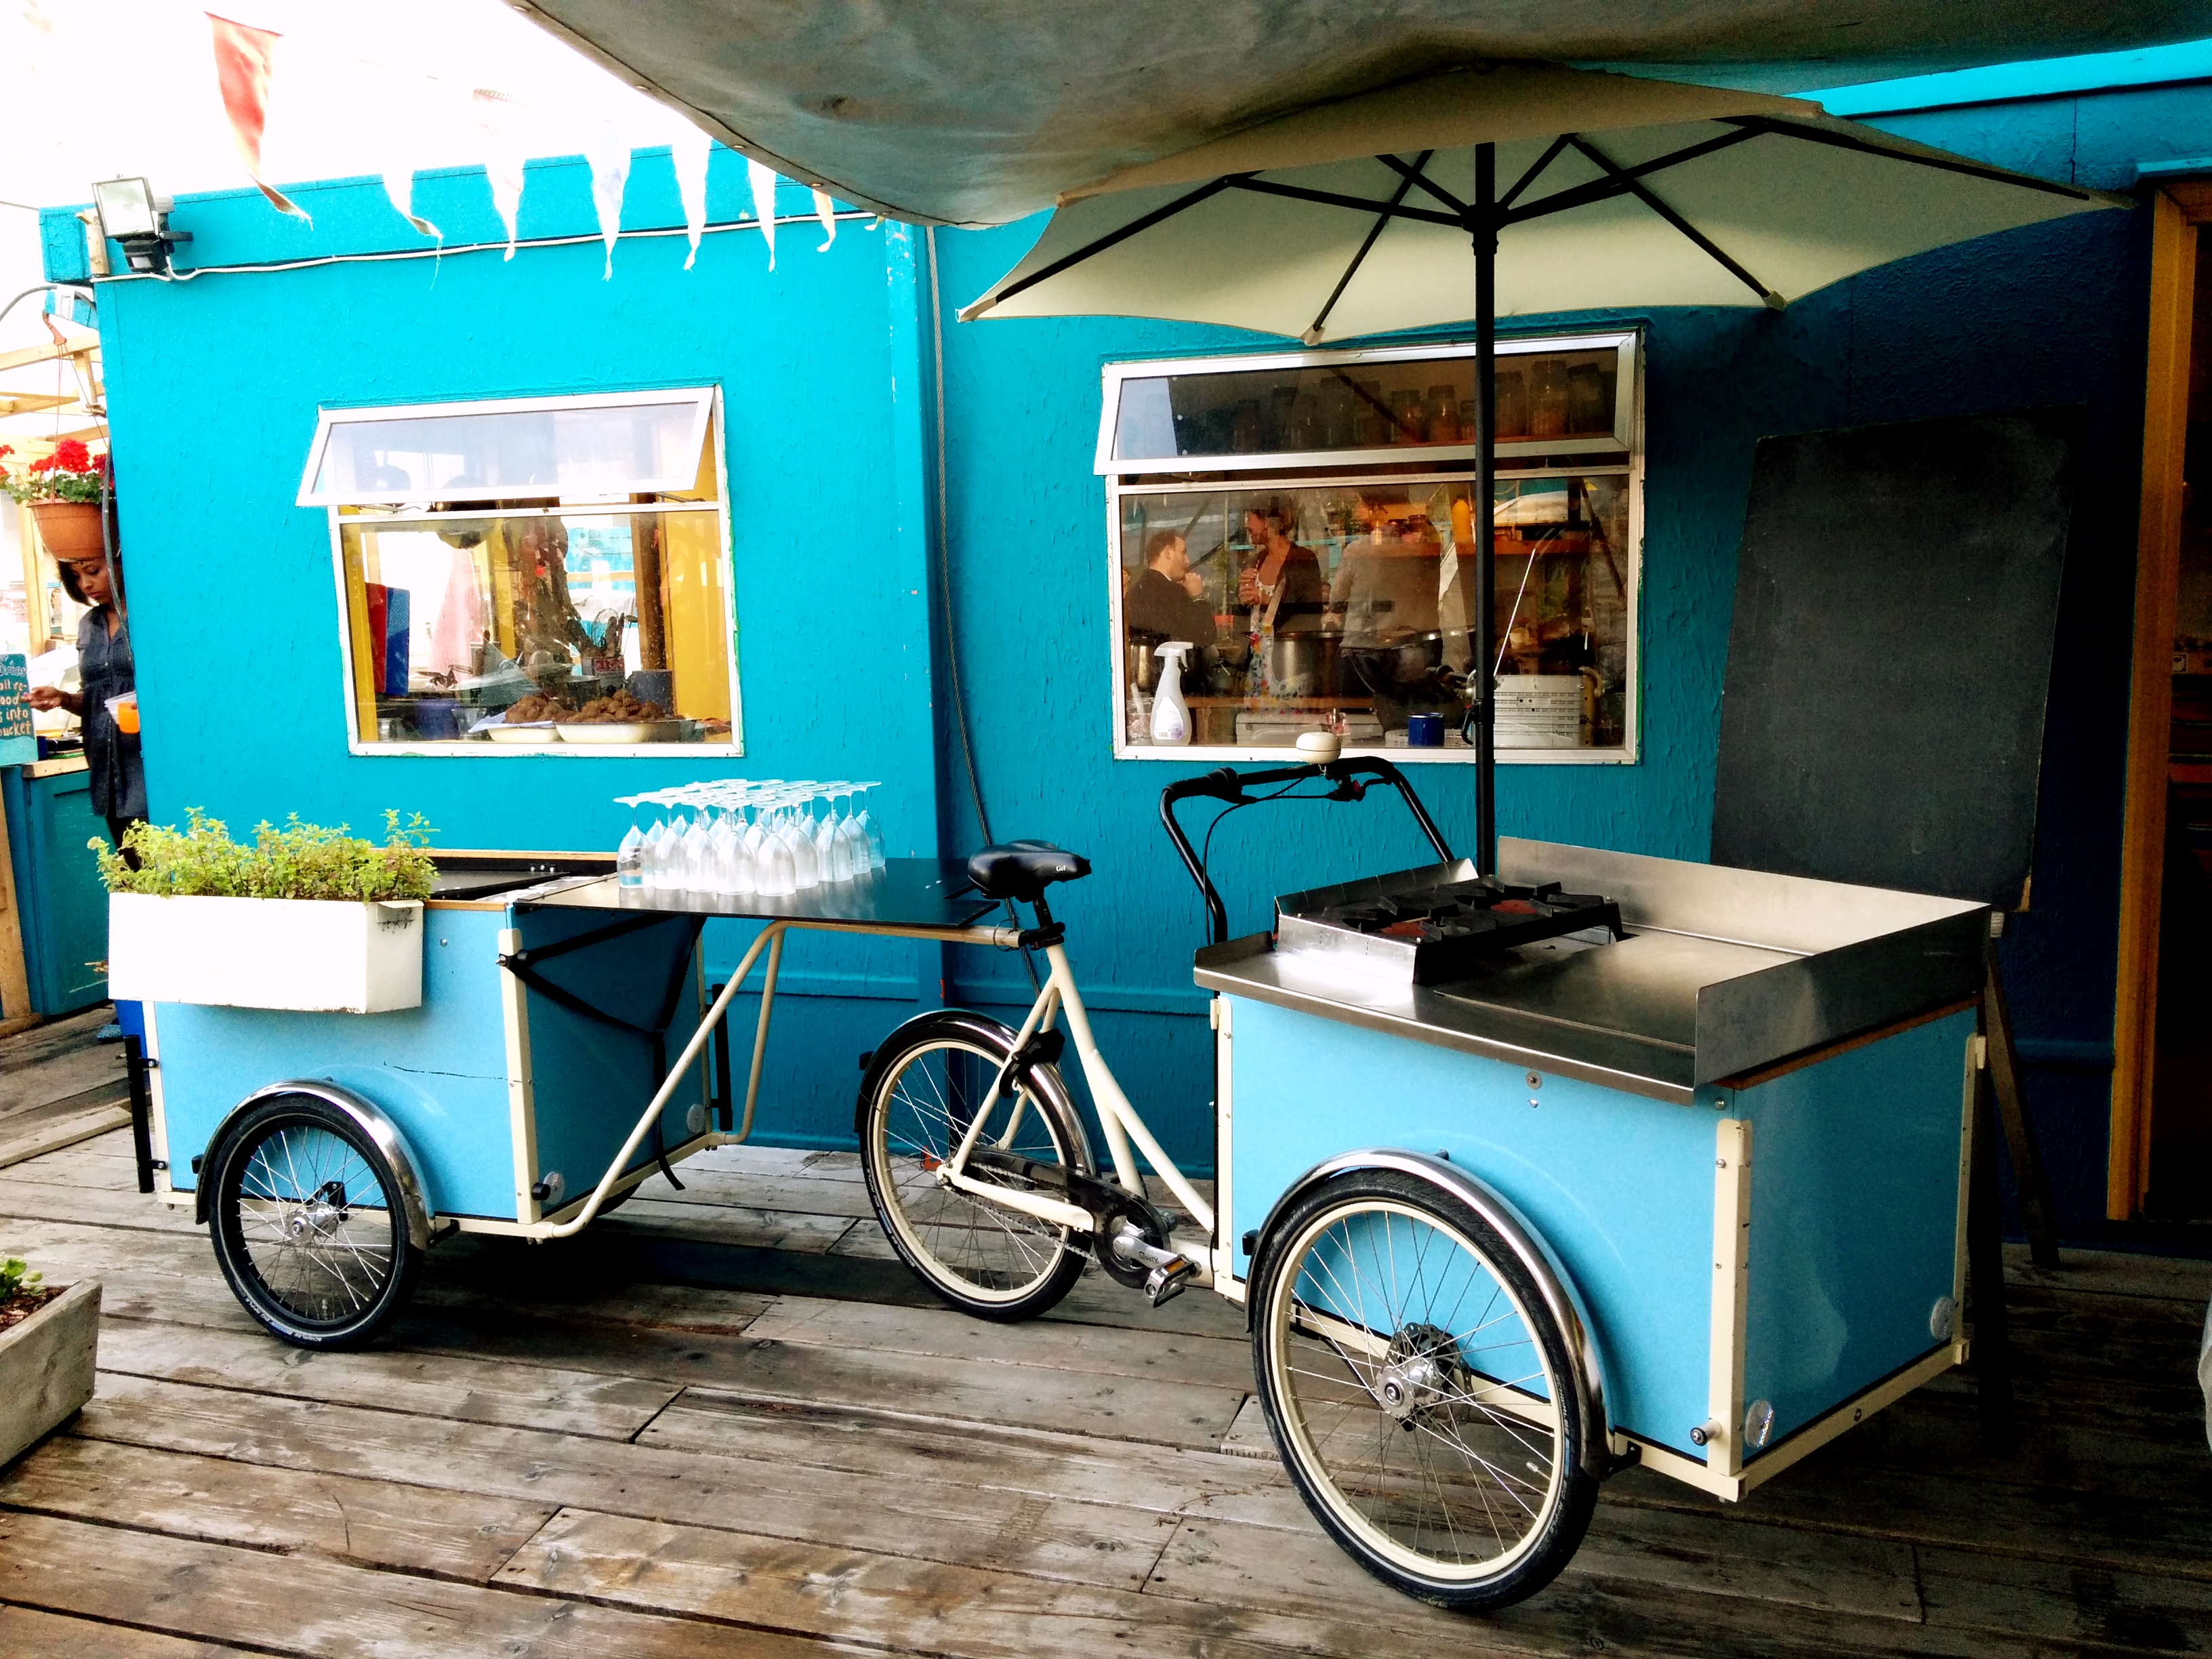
299, 861
16, 1278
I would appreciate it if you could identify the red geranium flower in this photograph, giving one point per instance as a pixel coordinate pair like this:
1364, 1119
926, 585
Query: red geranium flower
71, 456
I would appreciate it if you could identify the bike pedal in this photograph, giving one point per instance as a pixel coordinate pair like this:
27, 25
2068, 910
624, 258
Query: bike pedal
1167, 1281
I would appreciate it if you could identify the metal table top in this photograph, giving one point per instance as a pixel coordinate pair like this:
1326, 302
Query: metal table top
907, 895
1724, 971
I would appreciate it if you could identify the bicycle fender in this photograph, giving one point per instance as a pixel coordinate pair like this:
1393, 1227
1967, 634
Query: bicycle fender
368, 1117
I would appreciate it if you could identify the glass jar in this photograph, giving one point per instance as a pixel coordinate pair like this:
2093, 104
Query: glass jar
1409, 417
1547, 398
1512, 403
1587, 407
1443, 415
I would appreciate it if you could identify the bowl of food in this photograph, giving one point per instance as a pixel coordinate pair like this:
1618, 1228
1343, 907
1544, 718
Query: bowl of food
531, 720
618, 717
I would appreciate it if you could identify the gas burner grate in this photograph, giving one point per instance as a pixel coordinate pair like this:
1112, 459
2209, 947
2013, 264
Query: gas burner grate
1447, 929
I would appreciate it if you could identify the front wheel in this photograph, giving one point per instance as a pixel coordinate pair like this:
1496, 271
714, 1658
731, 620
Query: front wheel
309, 1225
1421, 1393
924, 1088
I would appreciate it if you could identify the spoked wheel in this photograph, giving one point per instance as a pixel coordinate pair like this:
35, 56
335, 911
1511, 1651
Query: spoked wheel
308, 1225
1419, 1392
923, 1089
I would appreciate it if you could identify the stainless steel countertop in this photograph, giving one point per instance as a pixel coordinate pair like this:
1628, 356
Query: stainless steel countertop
1724, 971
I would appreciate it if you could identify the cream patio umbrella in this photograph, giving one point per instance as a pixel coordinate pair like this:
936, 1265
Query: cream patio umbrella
1574, 190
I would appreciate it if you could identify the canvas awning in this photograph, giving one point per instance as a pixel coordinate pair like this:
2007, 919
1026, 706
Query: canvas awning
979, 111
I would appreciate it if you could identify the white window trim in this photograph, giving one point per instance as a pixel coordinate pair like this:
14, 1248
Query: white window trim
705, 401
466, 749
1327, 469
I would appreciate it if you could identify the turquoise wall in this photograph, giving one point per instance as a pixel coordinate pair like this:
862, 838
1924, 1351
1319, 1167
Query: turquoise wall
827, 364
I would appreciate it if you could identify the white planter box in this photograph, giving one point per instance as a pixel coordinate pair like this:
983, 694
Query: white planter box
46, 1366
313, 955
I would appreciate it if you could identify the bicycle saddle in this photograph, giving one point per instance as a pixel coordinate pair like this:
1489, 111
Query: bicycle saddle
1024, 869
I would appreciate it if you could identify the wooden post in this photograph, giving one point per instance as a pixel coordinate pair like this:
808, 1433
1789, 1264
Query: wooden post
2002, 1063
2150, 701
16, 1013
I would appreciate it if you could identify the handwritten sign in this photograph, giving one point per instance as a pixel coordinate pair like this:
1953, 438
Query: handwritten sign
18, 746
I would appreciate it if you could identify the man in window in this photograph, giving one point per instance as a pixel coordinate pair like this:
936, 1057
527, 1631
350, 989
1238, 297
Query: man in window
1164, 599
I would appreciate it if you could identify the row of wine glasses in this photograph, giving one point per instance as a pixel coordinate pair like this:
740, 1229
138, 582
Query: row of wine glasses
747, 836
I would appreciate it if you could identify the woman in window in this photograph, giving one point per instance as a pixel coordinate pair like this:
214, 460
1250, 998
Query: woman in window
105, 673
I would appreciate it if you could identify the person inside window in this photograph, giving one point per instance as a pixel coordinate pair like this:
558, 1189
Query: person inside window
105, 673
1165, 598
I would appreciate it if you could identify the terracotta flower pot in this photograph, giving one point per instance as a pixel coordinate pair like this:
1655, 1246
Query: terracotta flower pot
70, 530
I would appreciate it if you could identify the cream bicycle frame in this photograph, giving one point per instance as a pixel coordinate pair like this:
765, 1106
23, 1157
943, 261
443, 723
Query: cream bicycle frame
1116, 1116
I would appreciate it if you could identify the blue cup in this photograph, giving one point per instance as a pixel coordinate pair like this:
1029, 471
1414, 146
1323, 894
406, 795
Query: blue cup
1425, 730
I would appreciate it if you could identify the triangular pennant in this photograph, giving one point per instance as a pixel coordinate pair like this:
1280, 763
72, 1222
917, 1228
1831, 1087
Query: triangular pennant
826, 211
498, 116
399, 186
689, 149
763, 181
245, 64
610, 159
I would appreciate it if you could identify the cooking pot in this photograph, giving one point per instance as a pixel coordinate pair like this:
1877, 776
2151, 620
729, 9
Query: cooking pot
1390, 669
1140, 666
1303, 664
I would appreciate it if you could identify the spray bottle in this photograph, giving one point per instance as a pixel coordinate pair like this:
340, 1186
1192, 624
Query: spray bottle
1170, 714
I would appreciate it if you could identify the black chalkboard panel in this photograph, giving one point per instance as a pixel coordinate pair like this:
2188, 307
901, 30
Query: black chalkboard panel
1890, 653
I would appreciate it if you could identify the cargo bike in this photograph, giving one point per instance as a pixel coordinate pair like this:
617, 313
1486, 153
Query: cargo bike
1522, 1176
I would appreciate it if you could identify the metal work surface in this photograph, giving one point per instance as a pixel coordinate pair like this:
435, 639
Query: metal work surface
1724, 971
906, 893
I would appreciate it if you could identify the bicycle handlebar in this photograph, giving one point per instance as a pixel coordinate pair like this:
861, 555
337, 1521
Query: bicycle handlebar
1227, 784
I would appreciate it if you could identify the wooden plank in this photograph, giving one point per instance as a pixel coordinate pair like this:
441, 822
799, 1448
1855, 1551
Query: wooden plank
1037, 1533
51, 1133
883, 1600
27, 1631
930, 1389
449, 1535
302, 1604
1205, 1361
578, 1403
1301, 1603
1030, 1461
2042, 1601
70, 1071
2115, 1272
2150, 701
36, 1201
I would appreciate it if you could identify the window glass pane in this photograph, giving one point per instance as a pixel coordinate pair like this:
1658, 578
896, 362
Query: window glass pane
458, 625
612, 450
1322, 408
1352, 606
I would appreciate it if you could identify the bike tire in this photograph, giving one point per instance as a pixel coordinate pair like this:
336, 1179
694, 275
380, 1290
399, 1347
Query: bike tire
1407, 1366
308, 1225
916, 1103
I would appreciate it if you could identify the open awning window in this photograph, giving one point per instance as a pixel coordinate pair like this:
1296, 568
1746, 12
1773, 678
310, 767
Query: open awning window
606, 447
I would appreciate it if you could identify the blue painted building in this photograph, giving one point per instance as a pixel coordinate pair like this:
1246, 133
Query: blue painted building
889, 471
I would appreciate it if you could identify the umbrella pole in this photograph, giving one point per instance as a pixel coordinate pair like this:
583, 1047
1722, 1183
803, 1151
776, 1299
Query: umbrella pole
1485, 511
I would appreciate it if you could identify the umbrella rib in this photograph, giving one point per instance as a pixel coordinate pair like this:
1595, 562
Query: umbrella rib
1601, 190
1643, 194
1144, 222
1414, 175
1530, 177
1764, 124
1313, 334
1331, 199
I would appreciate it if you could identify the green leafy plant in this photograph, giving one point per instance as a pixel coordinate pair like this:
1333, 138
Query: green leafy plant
16, 1278
299, 861
71, 473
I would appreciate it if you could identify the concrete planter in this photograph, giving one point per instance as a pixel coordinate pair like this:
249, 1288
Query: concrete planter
46, 1366
311, 955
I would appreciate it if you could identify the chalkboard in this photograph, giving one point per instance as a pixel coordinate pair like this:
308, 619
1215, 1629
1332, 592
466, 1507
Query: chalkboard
18, 745
1889, 657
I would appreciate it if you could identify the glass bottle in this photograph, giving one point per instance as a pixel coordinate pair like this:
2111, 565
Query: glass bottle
629, 861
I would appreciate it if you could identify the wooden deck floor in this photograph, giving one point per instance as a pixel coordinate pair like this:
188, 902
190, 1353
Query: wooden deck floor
725, 1422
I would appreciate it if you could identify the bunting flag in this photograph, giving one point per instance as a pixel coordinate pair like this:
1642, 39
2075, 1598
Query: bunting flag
609, 161
245, 62
399, 186
497, 117
826, 211
763, 181
689, 150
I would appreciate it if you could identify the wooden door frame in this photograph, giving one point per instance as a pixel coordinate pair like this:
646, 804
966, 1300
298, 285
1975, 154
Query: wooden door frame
2179, 207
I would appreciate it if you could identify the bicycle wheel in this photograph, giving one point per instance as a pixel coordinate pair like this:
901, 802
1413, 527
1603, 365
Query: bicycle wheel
1419, 1392
923, 1089
308, 1225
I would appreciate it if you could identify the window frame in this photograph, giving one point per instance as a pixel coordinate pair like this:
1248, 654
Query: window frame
1357, 469
705, 400
463, 748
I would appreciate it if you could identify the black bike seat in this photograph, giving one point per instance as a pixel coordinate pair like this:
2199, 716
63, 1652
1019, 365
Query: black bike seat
1024, 869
